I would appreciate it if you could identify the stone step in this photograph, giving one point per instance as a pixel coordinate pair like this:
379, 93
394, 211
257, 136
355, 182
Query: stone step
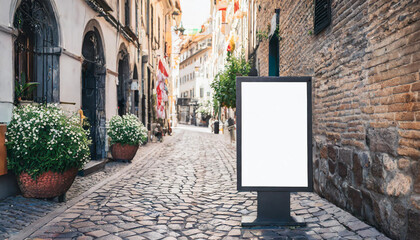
93, 166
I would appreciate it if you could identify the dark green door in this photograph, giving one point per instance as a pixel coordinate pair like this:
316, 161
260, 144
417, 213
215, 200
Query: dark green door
273, 56
89, 92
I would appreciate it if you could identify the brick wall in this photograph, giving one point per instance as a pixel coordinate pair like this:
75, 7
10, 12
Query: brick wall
366, 103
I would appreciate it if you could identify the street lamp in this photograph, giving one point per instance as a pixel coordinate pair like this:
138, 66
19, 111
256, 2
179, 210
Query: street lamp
181, 29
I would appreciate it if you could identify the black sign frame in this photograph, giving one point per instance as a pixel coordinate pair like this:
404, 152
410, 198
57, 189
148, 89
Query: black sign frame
239, 81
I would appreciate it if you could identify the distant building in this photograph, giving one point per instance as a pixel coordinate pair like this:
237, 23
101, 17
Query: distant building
229, 20
194, 73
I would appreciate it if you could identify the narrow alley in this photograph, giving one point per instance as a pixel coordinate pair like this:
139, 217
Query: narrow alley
185, 188
209, 119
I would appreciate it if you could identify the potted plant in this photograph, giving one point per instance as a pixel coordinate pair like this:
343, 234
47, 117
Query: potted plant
205, 111
24, 89
126, 133
45, 149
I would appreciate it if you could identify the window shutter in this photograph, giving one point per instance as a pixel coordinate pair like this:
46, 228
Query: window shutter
322, 16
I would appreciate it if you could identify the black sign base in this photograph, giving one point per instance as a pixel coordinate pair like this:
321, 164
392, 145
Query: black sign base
273, 210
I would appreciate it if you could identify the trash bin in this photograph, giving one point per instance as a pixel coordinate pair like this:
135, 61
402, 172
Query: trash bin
216, 127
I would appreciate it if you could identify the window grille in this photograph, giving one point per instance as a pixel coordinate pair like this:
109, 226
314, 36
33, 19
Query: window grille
322, 15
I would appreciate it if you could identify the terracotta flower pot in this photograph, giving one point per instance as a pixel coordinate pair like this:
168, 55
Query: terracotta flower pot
123, 151
47, 185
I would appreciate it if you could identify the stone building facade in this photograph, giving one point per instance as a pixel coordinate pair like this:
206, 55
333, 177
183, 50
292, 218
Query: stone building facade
365, 67
157, 19
85, 54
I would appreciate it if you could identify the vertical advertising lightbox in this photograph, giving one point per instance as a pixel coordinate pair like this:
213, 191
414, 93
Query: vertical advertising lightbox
274, 124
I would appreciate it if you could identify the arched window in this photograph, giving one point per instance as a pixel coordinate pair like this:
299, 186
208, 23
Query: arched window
37, 50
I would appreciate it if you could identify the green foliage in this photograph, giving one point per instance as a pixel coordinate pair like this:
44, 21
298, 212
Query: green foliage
23, 89
215, 107
127, 130
262, 35
41, 138
224, 84
153, 103
277, 32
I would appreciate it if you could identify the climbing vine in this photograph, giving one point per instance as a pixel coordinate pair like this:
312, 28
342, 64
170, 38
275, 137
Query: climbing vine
265, 34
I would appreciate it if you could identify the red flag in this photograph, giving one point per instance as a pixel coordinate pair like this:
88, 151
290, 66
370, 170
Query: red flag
224, 16
236, 6
162, 69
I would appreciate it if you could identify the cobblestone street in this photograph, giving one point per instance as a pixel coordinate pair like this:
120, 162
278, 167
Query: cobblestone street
186, 189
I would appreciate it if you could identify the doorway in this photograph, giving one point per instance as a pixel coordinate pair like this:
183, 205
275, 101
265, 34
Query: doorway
93, 91
273, 56
123, 87
143, 97
149, 99
136, 98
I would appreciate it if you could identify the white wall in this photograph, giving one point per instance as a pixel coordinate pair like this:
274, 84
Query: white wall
70, 83
73, 17
201, 79
6, 62
188, 84
6, 77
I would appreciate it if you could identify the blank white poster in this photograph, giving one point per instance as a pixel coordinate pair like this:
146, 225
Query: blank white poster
274, 134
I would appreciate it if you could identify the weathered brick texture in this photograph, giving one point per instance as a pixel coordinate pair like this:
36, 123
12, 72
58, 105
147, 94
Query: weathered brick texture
366, 103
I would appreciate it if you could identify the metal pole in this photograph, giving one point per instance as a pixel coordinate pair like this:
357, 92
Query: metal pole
220, 104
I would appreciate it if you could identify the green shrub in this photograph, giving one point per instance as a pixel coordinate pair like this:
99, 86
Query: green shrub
224, 84
127, 130
41, 138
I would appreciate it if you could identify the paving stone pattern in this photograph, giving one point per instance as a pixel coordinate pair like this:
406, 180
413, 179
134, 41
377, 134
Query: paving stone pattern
187, 190
18, 212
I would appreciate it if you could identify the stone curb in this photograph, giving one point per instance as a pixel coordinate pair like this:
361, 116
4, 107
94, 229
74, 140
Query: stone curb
27, 231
